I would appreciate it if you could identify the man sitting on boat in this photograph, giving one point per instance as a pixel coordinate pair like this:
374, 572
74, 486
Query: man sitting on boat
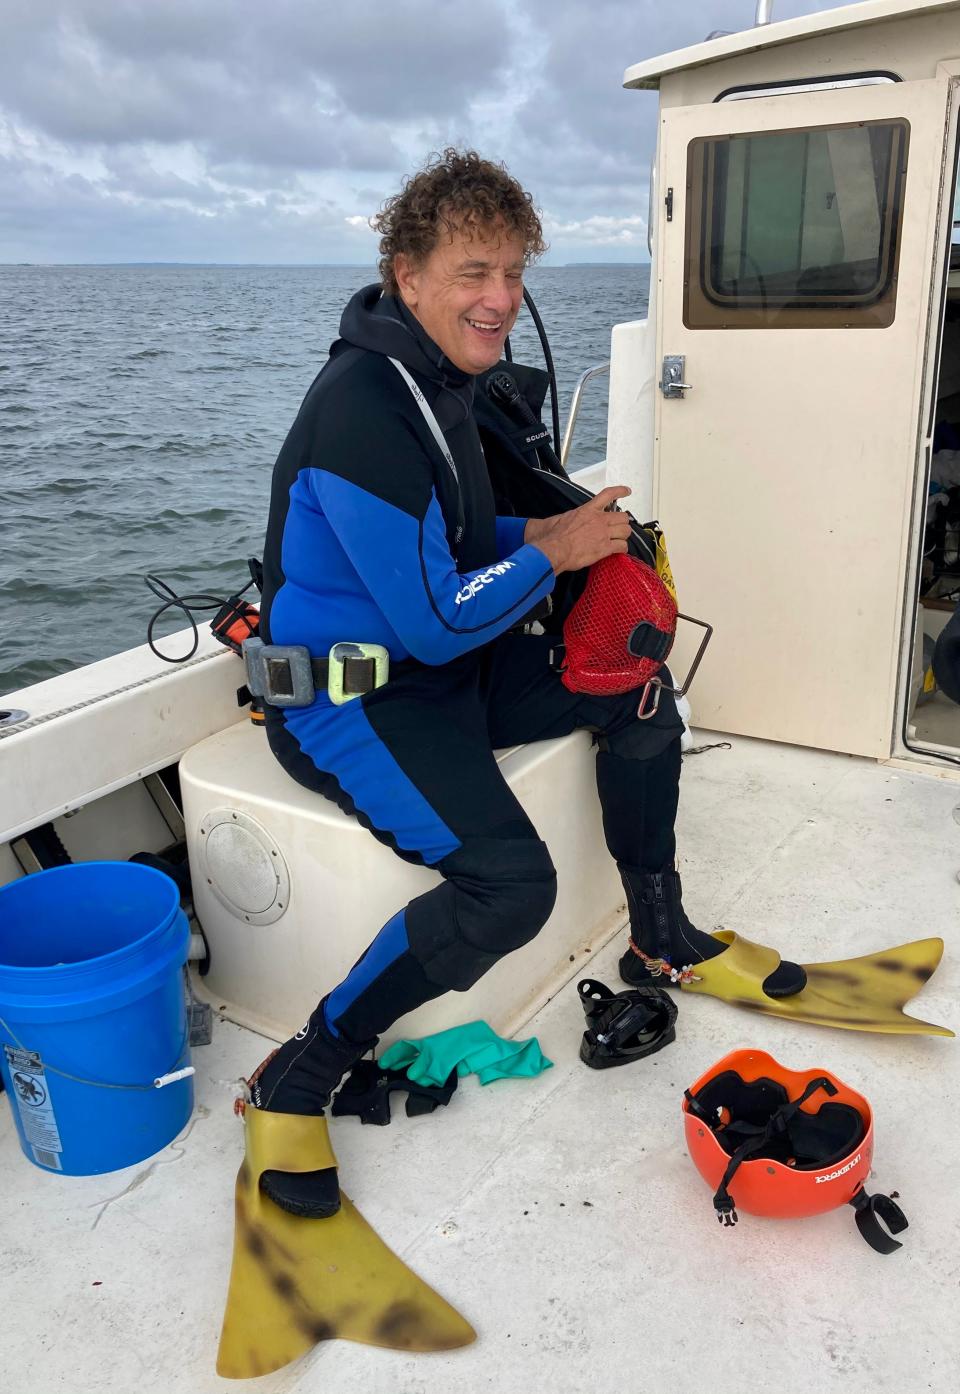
383, 536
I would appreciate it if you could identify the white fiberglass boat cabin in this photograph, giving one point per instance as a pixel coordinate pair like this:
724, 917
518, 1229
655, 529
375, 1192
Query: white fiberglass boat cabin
783, 411
805, 191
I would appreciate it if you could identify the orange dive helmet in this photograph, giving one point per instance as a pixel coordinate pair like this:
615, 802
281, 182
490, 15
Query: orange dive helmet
785, 1143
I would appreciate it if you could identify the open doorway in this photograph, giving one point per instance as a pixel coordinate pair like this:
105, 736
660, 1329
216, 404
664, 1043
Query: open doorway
933, 717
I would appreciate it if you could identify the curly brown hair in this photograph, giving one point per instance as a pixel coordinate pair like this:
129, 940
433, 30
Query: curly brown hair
455, 190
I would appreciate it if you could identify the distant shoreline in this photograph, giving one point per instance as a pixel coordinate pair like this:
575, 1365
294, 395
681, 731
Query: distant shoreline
276, 265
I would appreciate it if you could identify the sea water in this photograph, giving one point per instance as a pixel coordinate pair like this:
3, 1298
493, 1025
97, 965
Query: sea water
141, 411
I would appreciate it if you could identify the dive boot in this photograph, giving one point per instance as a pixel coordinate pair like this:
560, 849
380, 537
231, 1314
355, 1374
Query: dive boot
299, 1078
665, 945
624, 1026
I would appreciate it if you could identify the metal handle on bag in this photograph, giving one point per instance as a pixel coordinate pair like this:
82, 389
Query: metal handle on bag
656, 684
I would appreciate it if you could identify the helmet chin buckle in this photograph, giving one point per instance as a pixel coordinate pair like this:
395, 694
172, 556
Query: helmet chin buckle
725, 1208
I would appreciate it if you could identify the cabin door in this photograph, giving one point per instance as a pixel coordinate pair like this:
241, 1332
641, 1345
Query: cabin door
795, 244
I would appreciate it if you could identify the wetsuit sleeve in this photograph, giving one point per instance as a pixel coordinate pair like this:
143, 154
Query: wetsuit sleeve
379, 500
509, 535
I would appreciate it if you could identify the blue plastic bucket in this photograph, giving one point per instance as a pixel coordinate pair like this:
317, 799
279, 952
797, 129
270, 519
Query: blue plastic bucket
91, 998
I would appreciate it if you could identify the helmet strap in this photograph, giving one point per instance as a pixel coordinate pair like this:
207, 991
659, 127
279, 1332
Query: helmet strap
777, 1123
870, 1210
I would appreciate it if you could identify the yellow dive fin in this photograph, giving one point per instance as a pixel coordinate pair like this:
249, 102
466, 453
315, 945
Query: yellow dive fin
854, 994
296, 1282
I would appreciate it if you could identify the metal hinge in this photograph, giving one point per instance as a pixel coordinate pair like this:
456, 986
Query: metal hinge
668, 201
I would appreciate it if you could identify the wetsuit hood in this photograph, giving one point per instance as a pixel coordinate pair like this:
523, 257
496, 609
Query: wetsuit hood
382, 324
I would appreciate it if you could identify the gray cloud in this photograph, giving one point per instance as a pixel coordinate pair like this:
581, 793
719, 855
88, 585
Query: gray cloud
221, 74
607, 135
215, 130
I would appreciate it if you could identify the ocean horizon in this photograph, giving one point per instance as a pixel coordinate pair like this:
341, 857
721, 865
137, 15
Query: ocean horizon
142, 406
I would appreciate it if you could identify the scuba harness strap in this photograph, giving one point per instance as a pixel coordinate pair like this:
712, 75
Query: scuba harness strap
433, 426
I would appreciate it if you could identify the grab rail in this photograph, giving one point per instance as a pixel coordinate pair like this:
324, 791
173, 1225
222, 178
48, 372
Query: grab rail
575, 407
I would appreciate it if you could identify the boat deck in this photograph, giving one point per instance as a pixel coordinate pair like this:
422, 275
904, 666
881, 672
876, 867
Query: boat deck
562, 1215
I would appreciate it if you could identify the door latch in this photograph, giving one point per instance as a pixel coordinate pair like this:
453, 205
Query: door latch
671, 383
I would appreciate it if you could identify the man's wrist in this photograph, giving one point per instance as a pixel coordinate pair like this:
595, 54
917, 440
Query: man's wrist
555, 552
536, 528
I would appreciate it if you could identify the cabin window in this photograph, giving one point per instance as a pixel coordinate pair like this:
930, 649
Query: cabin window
795, 229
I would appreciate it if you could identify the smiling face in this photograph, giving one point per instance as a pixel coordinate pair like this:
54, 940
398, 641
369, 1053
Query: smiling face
466, 293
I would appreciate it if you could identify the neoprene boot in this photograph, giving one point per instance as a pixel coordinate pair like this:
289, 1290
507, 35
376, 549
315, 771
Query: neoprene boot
663, 942
300, 1077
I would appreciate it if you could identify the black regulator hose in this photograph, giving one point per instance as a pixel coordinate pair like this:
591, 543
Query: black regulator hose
192, 605
551, 371
186, 604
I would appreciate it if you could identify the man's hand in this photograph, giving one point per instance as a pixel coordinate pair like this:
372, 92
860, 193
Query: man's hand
572, 540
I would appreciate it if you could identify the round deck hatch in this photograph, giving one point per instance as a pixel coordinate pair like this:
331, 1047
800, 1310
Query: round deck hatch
243, 866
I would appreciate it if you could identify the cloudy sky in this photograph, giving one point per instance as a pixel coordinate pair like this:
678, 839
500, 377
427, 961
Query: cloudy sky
270, 130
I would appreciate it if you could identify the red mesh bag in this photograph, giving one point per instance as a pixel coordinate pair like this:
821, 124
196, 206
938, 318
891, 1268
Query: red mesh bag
619, 633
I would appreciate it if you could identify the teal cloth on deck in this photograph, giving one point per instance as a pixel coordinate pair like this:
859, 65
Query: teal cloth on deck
471, 1049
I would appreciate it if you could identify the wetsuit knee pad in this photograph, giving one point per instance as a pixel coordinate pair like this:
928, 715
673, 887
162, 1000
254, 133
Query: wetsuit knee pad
497, 895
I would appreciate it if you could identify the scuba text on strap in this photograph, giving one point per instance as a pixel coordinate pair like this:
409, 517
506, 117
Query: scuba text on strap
438, 436
503, 389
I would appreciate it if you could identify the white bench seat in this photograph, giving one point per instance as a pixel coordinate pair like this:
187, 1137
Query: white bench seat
290, 890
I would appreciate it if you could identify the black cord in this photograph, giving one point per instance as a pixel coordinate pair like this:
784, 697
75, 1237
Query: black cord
551, 371
188, 604
702, 749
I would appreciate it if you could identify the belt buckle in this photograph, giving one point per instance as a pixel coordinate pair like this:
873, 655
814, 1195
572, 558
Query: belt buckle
280, 674
338, 688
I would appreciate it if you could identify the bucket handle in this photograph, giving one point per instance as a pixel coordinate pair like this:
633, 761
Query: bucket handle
170, 1077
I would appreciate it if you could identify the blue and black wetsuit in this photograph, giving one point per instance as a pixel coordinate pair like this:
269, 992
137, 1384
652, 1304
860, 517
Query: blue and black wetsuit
374, 538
